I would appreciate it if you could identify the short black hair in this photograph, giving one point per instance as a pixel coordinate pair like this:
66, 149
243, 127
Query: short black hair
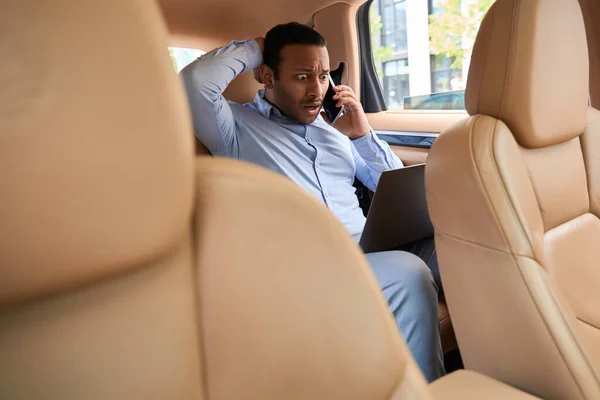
286, 34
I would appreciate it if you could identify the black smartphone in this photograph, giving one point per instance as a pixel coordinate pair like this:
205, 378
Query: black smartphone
329, 104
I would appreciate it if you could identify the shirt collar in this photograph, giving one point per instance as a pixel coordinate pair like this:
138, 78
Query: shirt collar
264, 107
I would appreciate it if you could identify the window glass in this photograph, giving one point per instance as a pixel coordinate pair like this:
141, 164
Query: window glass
181, 56
394, 25
395, 82
443, 76
422, 50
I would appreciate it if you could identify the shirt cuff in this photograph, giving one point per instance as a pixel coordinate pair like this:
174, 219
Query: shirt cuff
253, 53
367, 145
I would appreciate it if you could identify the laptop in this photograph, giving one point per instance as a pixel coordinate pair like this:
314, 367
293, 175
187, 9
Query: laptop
398, 214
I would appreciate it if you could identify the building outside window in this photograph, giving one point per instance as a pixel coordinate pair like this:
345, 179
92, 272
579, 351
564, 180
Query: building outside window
393, 36
443, 76
395, 82
394, 32
403, 33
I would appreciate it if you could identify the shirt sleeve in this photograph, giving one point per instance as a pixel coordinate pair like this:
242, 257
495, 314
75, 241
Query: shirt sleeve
372, 156
205, 79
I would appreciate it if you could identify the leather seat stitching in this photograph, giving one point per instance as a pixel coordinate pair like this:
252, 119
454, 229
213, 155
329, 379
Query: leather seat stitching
588, 323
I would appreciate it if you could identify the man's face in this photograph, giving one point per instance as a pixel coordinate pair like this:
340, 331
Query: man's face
303, 79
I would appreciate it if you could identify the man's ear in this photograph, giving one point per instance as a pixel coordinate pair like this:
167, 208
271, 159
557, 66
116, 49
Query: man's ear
266, 76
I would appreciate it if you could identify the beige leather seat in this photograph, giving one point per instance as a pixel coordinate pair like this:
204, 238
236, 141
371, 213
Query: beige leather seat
514, 194
121, 280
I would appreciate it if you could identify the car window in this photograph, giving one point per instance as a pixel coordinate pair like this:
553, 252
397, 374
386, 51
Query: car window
422, 50
181, 56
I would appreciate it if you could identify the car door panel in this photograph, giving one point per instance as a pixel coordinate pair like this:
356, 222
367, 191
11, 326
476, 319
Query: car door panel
410, 134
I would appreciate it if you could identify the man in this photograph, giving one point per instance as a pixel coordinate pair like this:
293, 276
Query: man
284, 131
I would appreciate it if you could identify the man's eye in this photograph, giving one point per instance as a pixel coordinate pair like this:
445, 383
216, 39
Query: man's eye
302, 77
324, 77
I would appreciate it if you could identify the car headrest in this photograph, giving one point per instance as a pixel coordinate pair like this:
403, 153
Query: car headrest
96, 151
529, 68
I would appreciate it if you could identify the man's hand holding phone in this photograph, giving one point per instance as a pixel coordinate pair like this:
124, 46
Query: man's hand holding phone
351, 121
338, 109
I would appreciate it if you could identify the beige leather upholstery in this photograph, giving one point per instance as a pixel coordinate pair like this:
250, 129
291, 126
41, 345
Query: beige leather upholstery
131, 270
447, 336
514, 75
514, 197
470, 385
66, 104
279, 321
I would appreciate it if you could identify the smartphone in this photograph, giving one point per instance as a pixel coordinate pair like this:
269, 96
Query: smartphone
329, 104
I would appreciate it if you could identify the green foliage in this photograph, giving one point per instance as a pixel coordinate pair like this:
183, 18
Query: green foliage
451, 32
173, 60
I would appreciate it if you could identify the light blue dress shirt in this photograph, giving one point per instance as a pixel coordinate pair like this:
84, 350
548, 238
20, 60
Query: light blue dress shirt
317, 156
